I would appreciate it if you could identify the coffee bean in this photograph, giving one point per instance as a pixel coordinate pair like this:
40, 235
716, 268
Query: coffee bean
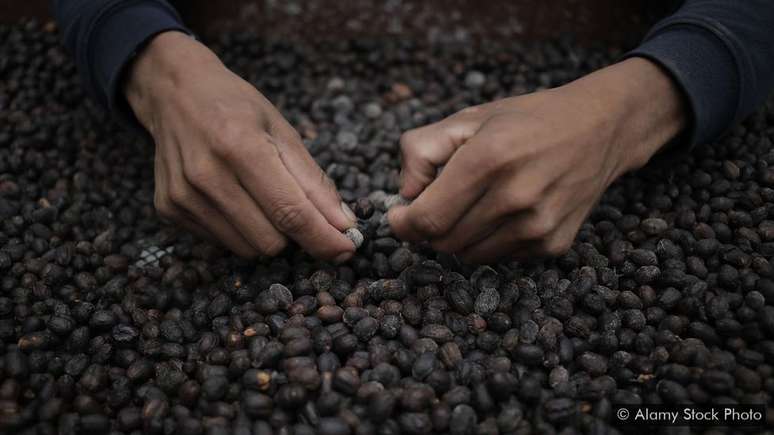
333, 426
593, 363
214, 388
560, 409
463, 420
415, 423
487, 301
458, 293
366, 328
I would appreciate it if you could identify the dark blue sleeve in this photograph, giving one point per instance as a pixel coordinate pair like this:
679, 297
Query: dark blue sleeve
104, 35
721, 53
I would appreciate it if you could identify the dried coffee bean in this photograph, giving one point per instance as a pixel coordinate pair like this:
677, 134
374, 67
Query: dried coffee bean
463, 420
355, 236
333, 426
291, 396
593, 363
415, 423
458, 293
560, 409
487, 301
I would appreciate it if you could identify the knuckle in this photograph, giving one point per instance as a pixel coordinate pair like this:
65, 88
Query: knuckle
232, 131
228, 150
288, 218
501, 143
481, 155
522, 200
200, 176
234, 140
409, 140
178, 196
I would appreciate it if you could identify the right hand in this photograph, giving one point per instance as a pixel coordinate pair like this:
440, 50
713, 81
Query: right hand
228, 166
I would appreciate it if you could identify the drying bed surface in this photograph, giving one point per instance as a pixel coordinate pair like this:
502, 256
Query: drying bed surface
113, 321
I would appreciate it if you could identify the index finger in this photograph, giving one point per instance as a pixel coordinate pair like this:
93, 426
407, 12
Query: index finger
446, 200
315, 183
423, 150
284, 202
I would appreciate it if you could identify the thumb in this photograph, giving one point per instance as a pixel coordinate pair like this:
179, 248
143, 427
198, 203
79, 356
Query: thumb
425, 149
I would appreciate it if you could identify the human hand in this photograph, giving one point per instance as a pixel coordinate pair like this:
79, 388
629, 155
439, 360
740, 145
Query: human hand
521, 174
228, 166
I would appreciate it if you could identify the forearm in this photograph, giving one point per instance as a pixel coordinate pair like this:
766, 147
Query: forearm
160, 67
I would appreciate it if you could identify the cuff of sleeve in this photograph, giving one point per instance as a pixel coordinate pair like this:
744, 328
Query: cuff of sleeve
704, 68
116, 37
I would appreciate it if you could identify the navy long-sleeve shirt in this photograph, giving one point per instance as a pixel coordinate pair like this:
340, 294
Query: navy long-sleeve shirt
719, 52
105, 35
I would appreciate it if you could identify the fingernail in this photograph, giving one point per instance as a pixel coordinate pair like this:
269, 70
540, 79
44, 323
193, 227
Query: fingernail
348, 212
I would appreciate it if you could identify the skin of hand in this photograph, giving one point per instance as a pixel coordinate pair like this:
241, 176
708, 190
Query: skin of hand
228, 166
521, 174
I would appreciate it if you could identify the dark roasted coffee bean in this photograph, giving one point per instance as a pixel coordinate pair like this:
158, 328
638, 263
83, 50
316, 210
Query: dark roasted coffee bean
333, 426
593, 363
528, 354
346, 380
364, 208
281, 293
291, 396
214, 388
381, 406
487, 301
256, 379
463, 420
415, 423
417, 398
400, 259
560, 409
366, 328
449, 353
94, 423
458, 293
257, 405
61, 325
387, 289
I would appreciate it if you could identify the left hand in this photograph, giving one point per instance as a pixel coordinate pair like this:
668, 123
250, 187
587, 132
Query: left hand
521, 174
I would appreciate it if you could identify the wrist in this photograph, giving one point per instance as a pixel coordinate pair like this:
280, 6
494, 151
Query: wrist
160, 67
641, 107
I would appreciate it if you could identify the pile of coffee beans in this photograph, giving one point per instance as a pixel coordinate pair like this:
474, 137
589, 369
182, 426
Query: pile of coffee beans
113, 321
